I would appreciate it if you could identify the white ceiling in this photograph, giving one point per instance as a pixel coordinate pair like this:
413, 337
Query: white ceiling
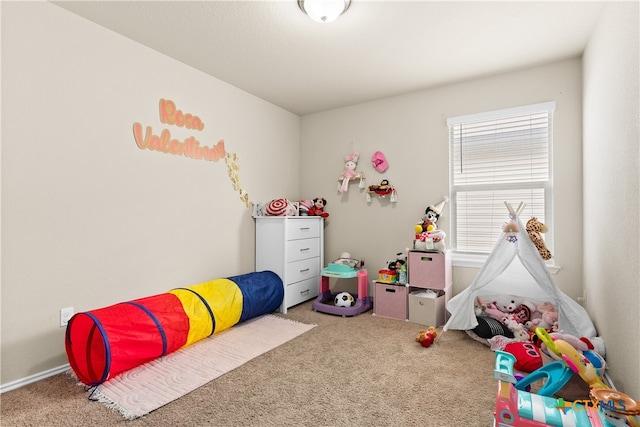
376, 49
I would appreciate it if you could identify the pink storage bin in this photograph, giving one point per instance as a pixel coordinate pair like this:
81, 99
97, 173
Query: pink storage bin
429, 269
390, 301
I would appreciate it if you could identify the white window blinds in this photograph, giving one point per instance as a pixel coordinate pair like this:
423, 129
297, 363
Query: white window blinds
495, 157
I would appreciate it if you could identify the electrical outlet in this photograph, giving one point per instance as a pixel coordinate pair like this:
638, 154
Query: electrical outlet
65, 315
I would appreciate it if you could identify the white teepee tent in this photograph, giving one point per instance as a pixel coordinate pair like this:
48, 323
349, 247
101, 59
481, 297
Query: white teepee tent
515, 267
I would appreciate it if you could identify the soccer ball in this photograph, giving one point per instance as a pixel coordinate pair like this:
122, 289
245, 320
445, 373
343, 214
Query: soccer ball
344, 299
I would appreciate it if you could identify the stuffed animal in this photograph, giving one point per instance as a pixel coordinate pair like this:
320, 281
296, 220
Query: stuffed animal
534, 228
349, 171
517, 328
383, 189
426, 337
489, 309
401, 259
318, 207
520, 308
304, 206
427, 235
430, 217
548, 317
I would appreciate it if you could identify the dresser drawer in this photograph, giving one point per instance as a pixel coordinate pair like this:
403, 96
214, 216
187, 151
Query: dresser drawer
303, 228
302, 270
296, 293
297, 250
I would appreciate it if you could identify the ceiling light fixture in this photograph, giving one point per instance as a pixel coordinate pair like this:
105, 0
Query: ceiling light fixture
324, 11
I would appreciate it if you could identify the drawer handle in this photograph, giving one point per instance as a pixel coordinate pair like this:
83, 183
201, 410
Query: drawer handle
390, 290
305, 270
304, 228
304, 249
426, 258
306, 291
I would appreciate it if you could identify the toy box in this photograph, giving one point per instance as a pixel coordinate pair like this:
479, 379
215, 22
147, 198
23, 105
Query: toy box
429, 270
427, 307
390, 301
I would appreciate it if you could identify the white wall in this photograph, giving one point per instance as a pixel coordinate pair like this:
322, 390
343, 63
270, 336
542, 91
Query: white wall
88, 218
612, 189
412, 131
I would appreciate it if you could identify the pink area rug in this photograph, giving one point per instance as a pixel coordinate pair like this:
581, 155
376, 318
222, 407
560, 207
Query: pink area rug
148, 387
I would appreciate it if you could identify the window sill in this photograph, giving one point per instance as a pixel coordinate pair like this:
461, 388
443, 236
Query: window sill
460, 259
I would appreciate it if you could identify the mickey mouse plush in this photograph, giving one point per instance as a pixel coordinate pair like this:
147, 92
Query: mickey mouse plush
430, 217
318, 208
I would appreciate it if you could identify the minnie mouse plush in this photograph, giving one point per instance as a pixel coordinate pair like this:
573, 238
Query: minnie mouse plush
318, 208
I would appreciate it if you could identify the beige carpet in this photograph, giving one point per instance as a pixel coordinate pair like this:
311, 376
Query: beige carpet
137, 392
346, 372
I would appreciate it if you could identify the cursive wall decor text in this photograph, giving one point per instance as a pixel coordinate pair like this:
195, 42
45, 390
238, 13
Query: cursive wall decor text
189, 147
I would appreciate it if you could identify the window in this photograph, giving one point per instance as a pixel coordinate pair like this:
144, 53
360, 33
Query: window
496, 157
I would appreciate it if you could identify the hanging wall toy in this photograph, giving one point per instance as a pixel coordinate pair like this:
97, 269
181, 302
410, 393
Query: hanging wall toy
379, 161
380, 165
349, 173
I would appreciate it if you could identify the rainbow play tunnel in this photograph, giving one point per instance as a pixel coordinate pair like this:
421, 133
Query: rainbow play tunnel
102, 343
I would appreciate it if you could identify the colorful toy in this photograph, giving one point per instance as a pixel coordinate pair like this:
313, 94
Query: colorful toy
555, 374
325, 302
104, 342
519, 408
427, 337
574, 359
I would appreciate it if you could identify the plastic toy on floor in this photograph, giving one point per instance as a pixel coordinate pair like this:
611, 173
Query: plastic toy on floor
519, 408
344, 267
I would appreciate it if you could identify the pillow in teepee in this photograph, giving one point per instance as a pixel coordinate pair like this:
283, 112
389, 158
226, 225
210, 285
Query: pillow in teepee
489, 327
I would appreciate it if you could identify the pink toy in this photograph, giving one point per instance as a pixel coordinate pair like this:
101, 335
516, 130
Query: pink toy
548, 318
349, 171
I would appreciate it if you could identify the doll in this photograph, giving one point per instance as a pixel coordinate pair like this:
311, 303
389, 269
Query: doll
318, 207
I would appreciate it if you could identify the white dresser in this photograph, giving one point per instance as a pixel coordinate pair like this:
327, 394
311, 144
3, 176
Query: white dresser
293, 248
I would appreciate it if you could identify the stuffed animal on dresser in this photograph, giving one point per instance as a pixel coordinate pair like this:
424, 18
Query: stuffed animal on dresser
317, 209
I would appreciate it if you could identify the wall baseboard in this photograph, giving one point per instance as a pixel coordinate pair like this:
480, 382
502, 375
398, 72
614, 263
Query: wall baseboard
33, 378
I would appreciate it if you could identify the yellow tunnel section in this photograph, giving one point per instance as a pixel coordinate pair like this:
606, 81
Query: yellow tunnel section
211, 306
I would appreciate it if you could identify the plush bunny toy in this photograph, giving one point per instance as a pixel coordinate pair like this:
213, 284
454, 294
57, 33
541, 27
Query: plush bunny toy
349, 171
